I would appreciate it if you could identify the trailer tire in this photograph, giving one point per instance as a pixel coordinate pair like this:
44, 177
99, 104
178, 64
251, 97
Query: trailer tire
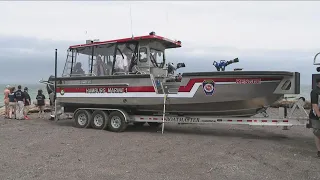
117, 122
99, 119
83, 118
154, 124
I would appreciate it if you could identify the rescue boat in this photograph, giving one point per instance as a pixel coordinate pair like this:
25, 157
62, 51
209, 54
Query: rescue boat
134, 74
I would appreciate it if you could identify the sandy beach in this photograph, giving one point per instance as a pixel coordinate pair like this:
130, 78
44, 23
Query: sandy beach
43, 149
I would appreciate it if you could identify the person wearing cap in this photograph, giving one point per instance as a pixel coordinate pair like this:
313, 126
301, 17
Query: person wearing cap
27, 103
6, 101
20, 99
314, 114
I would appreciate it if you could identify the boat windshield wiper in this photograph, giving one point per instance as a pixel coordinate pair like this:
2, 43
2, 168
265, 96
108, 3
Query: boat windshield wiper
153, 60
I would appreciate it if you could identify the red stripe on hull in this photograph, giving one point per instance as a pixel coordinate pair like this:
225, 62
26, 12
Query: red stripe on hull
84, 89
186, 88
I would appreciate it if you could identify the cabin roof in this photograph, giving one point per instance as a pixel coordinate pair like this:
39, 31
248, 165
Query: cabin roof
167, 42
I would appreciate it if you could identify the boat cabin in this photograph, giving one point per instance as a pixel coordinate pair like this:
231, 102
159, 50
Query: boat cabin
136, 55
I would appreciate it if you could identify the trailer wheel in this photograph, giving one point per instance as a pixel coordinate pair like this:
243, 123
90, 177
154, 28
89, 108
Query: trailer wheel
154, 124
82, 118
99, 119
117, 122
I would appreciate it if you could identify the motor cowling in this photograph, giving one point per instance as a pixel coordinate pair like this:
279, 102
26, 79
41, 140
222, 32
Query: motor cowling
50, 87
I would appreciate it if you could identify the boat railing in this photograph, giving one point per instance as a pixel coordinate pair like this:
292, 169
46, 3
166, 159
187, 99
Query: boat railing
45, 82
77, 75
315, 59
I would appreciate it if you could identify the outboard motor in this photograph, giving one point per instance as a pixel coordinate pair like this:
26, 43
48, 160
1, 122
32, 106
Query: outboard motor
50, 87
223, 64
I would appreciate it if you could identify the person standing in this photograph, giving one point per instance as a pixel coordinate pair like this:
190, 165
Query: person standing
12, 102
40, 103
315, 114
20, 99
6, 101
27, 103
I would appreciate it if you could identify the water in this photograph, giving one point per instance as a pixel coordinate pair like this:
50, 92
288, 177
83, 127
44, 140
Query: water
33, 90
305, 91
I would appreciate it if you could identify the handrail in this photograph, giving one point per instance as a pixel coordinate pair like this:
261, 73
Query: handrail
314, 60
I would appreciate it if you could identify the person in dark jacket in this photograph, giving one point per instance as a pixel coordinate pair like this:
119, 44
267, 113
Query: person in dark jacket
27, 103
315, 114
20, 99
40, 103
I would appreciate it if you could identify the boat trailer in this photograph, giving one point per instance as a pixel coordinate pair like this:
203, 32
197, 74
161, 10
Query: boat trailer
117, 120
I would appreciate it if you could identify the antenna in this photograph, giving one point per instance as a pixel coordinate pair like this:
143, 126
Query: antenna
87, 36
131, 21
167, 21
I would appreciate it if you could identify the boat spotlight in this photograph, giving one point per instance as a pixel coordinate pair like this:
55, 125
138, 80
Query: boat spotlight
318, 69
180, 65
152, 33
233, 61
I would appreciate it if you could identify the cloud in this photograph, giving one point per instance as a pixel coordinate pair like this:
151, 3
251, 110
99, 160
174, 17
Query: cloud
245, 24
264, 35
28, 59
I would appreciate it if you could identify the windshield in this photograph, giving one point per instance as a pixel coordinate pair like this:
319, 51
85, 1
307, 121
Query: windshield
124, 55
157, 57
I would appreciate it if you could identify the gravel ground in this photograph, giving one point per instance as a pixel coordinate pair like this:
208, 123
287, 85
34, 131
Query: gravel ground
42, 149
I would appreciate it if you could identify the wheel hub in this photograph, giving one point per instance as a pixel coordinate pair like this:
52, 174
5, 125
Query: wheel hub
115, 122
82, 119
98, 120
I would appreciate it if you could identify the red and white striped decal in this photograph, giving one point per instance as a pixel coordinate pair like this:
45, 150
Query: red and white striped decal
148, 91
255, 121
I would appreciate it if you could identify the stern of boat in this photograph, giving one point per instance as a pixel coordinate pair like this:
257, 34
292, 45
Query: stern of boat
290, 84
232, 93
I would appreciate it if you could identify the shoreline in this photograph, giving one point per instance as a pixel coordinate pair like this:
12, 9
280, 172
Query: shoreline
33, 108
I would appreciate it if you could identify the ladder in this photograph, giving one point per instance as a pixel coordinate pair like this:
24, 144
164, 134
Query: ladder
71, 59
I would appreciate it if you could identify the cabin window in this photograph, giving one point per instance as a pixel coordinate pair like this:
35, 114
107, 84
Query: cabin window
125, 52
80, 62
143, 55
102, 65
103, 60
91, 61
157, 57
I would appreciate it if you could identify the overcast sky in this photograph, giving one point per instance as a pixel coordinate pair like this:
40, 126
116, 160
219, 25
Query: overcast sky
263, 35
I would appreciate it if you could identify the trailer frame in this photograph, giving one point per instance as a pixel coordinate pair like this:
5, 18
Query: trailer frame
117, 120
